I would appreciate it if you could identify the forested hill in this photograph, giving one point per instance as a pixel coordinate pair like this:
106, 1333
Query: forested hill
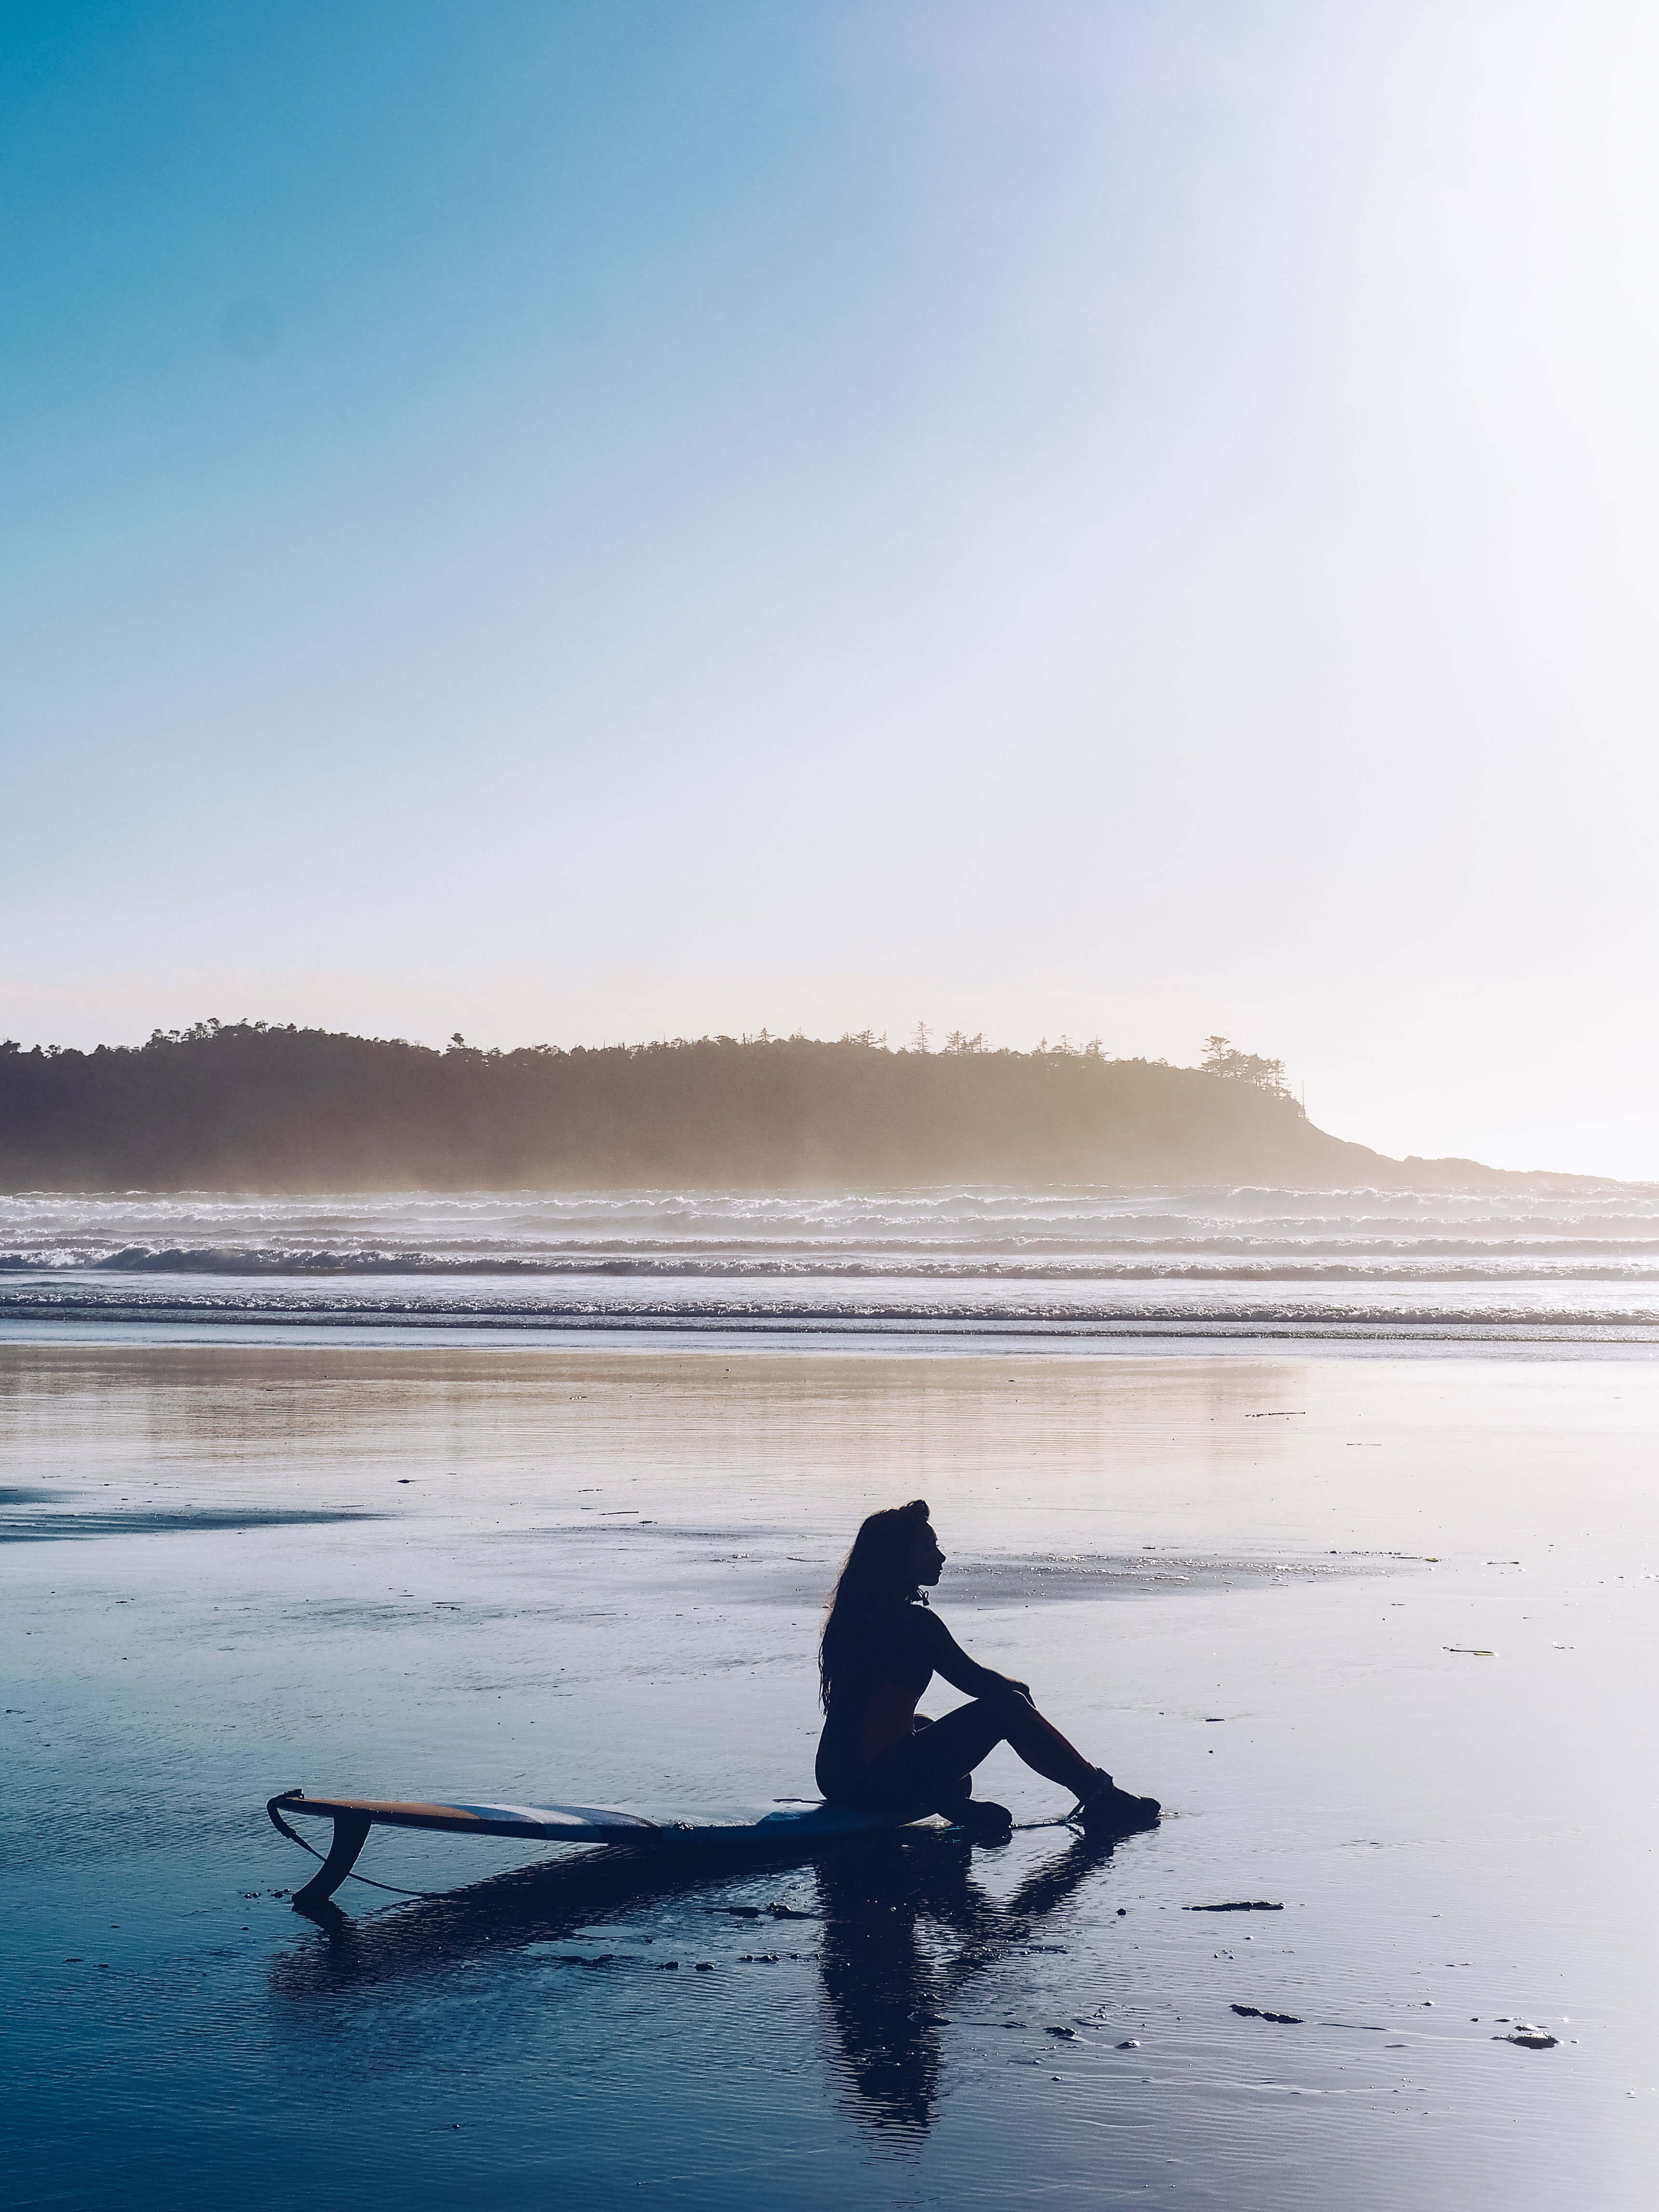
248, 1107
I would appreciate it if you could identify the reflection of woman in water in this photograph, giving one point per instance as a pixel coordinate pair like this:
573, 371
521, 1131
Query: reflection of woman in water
881, 1648
889, 1980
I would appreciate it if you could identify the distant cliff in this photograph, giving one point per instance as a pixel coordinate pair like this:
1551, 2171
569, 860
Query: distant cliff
252, 1108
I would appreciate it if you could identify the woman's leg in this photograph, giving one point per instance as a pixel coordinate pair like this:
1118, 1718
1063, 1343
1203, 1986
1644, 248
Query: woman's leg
954, 1794
928, 1766
1041, 1744
1104, 1809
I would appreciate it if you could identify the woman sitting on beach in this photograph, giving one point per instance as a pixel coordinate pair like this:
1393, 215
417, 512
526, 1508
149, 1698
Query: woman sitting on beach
881, 1648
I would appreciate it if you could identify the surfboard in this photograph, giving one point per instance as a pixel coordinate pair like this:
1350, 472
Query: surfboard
782, 1827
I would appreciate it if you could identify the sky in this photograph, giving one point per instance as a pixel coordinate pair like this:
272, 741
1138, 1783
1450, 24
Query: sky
588, 522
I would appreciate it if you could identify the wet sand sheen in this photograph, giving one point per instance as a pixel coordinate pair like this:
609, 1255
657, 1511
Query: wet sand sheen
593, 1575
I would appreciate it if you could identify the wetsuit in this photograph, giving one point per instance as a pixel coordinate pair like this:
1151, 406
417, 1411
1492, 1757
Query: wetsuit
903, 1647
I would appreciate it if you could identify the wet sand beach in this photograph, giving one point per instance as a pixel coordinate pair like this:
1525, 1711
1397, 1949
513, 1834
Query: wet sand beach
1262, 1584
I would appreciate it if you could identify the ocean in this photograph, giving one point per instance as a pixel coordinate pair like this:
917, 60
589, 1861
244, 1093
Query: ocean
1531, 1263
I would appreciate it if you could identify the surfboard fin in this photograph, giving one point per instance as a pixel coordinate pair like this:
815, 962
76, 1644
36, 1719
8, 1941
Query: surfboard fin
350, 1834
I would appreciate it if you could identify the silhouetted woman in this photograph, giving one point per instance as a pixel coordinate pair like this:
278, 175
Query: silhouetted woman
881, 1648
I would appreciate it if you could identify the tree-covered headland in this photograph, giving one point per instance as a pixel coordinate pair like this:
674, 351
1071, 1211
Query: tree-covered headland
245, 1105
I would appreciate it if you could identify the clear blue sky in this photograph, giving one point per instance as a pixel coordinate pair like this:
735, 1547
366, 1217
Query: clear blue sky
585, 521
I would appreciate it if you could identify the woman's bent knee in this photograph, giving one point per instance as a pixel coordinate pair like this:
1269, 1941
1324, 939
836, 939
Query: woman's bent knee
1006, 1703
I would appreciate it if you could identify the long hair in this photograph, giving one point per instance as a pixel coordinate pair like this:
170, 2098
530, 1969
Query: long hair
878, 1572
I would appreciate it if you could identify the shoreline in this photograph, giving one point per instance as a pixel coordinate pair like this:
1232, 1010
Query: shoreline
1057, 1340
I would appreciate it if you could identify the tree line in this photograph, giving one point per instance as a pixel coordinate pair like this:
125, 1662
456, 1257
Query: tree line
244, 1104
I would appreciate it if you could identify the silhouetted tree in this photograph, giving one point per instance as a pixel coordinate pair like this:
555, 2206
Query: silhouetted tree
1220, 1058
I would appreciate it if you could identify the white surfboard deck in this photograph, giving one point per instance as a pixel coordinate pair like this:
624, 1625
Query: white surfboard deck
593, 1824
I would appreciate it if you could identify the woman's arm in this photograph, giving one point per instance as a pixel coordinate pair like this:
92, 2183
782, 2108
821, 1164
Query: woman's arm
962, 1673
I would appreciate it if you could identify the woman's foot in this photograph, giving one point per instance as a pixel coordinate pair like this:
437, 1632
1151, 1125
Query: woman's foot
1104, 1809
981, 1821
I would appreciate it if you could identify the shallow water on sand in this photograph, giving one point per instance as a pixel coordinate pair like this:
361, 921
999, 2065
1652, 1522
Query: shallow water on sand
1258, 1586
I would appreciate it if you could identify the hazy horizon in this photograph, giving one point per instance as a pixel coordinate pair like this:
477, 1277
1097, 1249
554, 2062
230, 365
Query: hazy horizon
584, 523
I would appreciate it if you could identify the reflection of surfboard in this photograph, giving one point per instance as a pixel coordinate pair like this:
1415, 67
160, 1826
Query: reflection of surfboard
353, 1818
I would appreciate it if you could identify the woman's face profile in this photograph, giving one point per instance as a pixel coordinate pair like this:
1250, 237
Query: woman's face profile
927, 1558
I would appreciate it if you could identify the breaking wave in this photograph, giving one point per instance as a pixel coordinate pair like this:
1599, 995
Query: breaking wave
1527, 1260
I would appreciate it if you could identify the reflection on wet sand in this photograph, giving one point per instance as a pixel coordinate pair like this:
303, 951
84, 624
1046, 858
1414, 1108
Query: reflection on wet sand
31, 1526
888, 1992
880, 1899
